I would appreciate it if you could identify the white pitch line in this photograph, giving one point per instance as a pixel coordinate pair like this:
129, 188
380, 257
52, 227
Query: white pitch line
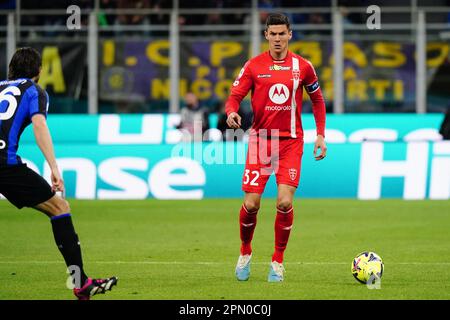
162, 262
212, 263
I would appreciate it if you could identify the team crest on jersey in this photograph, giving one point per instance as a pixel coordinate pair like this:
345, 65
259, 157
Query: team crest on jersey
296, 74
279, 93
278, 68
292, 173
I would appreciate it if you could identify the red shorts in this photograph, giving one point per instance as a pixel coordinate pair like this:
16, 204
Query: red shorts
266, 156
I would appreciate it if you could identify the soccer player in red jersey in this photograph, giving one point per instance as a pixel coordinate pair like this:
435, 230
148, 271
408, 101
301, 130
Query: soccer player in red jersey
276, 79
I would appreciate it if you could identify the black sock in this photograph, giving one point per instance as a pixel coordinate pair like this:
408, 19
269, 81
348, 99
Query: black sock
68, 244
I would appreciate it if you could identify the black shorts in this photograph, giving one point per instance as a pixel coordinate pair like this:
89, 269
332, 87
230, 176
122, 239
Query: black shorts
23, 187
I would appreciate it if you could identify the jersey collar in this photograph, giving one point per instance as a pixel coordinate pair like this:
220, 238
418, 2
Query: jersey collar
288, 56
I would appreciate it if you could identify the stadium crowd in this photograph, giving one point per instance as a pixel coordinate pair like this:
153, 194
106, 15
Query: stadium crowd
160, 17
185, 19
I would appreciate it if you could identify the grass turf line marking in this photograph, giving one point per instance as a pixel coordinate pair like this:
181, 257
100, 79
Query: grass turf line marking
211, 263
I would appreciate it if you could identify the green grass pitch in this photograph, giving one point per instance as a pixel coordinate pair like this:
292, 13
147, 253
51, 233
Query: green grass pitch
188, 250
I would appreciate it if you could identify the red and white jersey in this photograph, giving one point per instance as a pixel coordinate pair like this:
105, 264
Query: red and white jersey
277, 91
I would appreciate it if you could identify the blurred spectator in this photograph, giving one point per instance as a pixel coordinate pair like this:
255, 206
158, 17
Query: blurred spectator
133, 19
266, 6
192, 19
213, 18
236, 18
194, 119
158, 5
51, 21
185, 19
107, 19
306, 3
353, 17
130, 19
307, 18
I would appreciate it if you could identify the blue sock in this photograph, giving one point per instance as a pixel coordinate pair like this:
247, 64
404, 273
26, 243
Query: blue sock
68, 244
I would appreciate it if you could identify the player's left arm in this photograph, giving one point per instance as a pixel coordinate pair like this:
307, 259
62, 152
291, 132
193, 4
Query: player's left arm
312, 87
38, 102
45, 143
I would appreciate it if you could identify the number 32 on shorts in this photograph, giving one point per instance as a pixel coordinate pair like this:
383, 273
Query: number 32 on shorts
251, 177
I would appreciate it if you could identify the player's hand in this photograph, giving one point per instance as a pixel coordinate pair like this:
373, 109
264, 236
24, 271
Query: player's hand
320, 144
234, 120
57, 181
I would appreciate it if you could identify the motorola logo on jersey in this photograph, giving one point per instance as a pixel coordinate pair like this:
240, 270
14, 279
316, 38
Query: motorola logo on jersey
279, 93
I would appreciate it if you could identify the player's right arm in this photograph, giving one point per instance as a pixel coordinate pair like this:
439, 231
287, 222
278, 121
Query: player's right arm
240, 88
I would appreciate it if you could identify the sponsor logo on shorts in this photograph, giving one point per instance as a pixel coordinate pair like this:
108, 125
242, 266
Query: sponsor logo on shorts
293, 173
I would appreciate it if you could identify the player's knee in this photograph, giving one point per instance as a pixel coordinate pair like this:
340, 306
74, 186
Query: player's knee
251, 205
65, 206
62, 206
284, 204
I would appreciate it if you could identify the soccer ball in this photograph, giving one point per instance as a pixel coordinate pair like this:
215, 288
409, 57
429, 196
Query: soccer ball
367, 267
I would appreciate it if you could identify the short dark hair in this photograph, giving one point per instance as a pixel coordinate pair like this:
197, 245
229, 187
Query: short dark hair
277, 19
25, 63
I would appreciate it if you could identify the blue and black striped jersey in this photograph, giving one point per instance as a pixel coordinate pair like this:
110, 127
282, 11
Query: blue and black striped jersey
20, 100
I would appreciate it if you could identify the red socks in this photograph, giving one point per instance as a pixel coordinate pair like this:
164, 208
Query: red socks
247, 223
283, 226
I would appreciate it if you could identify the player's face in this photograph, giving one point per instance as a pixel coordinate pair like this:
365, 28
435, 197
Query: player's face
278, 37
